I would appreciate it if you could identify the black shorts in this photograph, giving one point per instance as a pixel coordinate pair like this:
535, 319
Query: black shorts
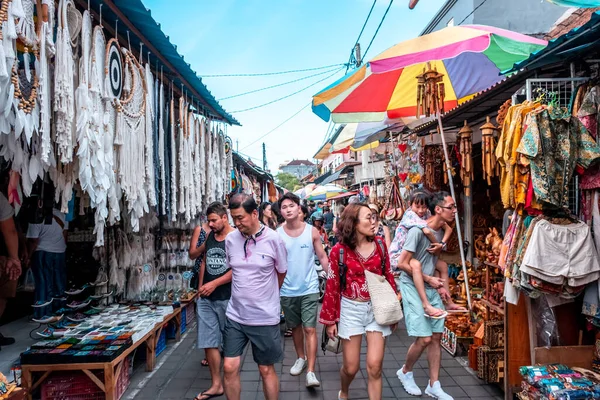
265, 340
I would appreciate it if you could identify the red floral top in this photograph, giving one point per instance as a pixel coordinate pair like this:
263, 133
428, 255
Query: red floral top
356, 283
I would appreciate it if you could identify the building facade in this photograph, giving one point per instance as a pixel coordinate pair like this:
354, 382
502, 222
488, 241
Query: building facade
298, 168
533, 17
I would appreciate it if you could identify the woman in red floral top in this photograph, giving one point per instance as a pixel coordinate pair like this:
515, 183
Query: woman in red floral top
347, 311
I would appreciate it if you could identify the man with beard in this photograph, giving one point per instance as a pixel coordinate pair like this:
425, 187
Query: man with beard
258, 260
214, 292
300, 290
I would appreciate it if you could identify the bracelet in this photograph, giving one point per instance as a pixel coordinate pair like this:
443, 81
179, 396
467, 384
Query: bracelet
443, 245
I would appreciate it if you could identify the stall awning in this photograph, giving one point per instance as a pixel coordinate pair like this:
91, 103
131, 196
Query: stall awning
342, 195
133, 16
238, 159
333, 177
321, 178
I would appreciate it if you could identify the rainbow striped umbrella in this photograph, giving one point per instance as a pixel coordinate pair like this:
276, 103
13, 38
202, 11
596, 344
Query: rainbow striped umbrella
471, 57
577, 3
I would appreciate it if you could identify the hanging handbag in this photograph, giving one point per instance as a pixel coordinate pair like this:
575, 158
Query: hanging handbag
329, 344
384, 301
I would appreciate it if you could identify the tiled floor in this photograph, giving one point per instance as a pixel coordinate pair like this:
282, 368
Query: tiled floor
179, 375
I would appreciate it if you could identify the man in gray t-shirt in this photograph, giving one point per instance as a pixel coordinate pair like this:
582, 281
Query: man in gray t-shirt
426, 330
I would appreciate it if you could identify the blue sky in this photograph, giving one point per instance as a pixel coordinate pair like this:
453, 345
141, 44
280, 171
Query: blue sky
256, 36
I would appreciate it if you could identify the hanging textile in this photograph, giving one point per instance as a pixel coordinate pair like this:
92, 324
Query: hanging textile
551, 170
64, 101
174, 162
149, 135
161, 149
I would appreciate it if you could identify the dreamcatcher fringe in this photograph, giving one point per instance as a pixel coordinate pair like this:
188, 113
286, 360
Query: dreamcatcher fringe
161, 149
149, 145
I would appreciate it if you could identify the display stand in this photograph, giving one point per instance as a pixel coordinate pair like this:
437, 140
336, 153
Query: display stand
111, 369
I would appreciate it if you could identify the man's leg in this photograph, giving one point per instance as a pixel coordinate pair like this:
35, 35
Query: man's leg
231, 372
298, 336
270, 381
414, 352
375, 350
292, 309
434, 357
351, 364
234, 342
417, 277
310, 306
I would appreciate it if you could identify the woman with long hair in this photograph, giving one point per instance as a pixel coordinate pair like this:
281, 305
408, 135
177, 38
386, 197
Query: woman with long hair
266, 216
347, 311
381, 229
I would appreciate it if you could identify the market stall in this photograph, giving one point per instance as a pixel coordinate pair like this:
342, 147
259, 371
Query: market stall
106, 123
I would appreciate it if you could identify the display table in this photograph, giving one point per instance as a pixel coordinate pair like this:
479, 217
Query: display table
111, 369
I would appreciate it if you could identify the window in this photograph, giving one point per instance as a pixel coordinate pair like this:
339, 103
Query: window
451, 22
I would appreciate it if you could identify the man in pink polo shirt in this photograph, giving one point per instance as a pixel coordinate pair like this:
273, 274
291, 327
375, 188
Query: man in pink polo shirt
258, 260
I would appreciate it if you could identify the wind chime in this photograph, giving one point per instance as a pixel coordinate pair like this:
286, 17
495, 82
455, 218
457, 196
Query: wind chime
430, 92
430, 101
488, 147
465, 136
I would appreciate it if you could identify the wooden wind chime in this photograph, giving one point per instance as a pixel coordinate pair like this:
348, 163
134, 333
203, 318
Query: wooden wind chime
488, 149
430, 92
465, 137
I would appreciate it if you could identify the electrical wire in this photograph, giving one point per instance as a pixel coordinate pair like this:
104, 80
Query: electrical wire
274, 86
471, 13
377, 31
360, 34
287, 96
278, 126
271, 73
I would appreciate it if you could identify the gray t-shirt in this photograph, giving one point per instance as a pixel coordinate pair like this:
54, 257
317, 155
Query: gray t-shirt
6, 210
417, 243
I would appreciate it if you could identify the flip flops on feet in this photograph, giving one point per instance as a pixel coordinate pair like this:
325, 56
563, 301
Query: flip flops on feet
206, 396
443, 315
204, 363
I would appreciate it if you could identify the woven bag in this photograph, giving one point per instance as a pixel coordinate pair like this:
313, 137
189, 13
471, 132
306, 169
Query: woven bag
386, 306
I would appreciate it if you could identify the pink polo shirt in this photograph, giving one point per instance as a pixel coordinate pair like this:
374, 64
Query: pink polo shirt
254, 286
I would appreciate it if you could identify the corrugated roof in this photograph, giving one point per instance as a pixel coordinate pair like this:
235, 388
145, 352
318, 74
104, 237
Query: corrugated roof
575, 43
164, 54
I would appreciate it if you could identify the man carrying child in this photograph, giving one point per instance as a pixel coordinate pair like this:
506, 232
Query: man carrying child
419, 277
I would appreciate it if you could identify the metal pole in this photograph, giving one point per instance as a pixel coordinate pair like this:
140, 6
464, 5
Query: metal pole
457, 219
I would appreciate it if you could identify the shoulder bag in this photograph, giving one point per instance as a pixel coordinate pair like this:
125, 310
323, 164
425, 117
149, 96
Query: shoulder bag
328, 344
386, 306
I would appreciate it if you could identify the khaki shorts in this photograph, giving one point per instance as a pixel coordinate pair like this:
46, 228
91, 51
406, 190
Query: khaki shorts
8, 288
300, 310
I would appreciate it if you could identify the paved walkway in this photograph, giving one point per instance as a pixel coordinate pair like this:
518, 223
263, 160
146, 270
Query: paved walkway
179, 375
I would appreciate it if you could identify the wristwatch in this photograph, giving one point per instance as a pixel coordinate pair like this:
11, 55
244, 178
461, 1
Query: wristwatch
443, 245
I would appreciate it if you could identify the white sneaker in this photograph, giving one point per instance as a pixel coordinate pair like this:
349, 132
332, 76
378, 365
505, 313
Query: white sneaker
311, 380
436, 392
298, 367
408, 382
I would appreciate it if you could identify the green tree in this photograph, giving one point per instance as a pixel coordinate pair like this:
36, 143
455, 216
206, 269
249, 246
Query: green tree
288, 181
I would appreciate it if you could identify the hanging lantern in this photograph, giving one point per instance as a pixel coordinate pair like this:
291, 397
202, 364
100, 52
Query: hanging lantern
488, 147
465, 137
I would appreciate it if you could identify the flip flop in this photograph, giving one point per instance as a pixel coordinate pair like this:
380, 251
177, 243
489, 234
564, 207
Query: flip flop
441, 316
208, 395
204, 363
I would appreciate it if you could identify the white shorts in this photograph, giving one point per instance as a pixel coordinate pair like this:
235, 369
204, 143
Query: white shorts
562, 254
357, 318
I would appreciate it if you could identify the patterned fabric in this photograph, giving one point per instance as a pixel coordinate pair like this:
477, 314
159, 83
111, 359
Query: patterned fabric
555, 143
589, 109
198, 263
409, 220
356, 283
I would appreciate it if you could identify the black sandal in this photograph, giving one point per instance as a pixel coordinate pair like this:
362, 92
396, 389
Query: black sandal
208, 395
204, 362
288, 333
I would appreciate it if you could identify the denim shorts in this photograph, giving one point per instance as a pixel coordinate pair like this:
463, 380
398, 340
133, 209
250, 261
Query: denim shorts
211, 322
357, 318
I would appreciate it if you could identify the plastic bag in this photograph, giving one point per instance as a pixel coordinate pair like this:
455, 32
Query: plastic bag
29, 282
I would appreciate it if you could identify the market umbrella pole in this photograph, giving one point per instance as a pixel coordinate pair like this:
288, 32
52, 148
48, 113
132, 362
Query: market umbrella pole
457, 219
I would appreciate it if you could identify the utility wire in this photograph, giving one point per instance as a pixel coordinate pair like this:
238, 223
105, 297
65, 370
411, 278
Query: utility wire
475, 9
377, 31
274, 86
360, 34
278, 126
289, 95
272, 73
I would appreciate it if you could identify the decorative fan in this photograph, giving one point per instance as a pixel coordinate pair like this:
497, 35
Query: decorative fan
114, 69
74, 21
228, 144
